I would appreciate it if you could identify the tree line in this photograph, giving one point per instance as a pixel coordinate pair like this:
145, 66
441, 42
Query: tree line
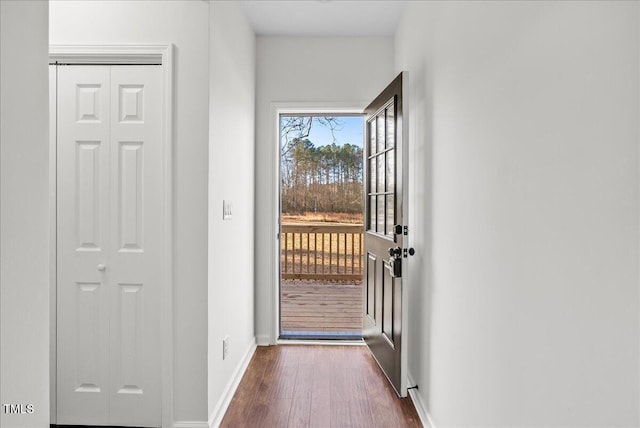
321, 179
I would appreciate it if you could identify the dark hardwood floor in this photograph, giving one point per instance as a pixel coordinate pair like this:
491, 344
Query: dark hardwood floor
317, 386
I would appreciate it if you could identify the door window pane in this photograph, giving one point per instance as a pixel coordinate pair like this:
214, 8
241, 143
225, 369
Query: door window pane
372, 137
373, 210
391, 129
380, 228
381, 168
391, 211
390, 172
380, 134
373, 180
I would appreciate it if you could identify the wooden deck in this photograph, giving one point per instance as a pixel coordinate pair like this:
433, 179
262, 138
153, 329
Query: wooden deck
321, 306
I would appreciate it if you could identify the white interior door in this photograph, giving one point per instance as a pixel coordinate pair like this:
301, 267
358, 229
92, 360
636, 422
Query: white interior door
110, 245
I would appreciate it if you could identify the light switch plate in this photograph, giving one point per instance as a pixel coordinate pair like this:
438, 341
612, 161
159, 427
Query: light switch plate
226, 210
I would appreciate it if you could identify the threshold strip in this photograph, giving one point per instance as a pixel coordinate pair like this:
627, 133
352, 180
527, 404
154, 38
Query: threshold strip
320, 335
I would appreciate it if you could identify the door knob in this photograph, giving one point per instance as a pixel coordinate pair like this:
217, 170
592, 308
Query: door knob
102, 267
395, 252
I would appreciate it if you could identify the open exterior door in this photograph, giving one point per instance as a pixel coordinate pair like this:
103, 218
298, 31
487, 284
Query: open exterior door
385, 233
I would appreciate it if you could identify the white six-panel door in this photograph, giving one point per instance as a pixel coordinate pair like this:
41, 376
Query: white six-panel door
110, 244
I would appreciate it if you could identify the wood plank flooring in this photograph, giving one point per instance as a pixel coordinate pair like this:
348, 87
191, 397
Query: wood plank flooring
318, 306
325, 386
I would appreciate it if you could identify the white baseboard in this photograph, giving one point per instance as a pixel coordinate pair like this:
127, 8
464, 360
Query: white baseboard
190, 424
263, 340
420, 404
223, 404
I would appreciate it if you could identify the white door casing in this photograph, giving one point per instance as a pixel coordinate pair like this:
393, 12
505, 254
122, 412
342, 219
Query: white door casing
110, 244
278, 109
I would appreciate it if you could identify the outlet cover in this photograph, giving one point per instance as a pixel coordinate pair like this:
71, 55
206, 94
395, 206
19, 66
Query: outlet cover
225, 347
227, 213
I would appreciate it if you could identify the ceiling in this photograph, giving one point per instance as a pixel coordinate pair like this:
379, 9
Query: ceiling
324, 17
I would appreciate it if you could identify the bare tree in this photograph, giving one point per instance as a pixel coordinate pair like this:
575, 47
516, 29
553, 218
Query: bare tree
319, 179
294, 129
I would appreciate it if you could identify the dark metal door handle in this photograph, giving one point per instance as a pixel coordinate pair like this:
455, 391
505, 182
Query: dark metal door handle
395, 252
395, 266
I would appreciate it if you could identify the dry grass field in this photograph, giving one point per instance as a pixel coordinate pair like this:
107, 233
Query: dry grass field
345, 218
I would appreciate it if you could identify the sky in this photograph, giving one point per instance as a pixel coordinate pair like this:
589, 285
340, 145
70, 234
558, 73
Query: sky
350, 132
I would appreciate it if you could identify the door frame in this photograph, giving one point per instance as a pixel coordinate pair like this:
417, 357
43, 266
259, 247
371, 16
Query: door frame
276, 109
120, 55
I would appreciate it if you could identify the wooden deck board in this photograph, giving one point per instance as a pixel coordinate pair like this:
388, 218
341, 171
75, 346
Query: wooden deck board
318, 306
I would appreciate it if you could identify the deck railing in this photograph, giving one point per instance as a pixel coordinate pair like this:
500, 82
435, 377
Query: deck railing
327, 252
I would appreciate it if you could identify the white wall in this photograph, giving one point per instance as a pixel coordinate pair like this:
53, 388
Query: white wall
186, 25
524, 210
24, 214
341, 71
231, 177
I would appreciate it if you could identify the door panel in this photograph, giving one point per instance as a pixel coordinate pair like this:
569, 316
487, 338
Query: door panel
83, 221
370, 284
384, 211
110, 245
88, 201
137, 240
